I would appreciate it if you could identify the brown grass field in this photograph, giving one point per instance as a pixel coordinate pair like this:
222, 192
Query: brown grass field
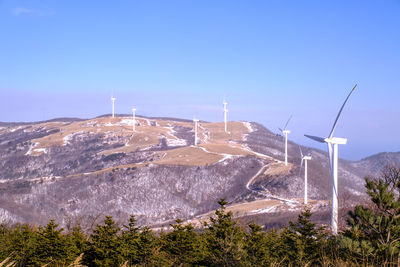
146, 136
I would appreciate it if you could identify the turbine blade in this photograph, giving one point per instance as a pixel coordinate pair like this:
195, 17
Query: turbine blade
340, 111
316, 138
301, 152
287, 122
301, 166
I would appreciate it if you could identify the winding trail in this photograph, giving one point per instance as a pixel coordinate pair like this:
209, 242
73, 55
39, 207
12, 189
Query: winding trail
225, 156
268, 196
262, 169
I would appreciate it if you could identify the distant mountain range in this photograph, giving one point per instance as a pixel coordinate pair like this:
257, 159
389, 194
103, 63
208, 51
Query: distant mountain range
77, 170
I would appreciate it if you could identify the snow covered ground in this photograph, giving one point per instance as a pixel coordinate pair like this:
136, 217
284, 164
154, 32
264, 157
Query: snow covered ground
31, 148
175, 141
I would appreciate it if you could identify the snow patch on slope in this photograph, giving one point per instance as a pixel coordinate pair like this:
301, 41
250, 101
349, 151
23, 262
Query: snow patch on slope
8, 217
40, 150
249, 128
31, 148
267, 210
205, 134
126, 122
175, 141
15, 129
69, 137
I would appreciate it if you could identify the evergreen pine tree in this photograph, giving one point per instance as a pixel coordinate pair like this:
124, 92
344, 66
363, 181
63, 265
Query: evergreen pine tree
21, 244
224, 239
76, 240
182, 244
256, 247
149, 249
276, 248
4, 241
130, 242
303, 240
375, 230
50, 246
103, 247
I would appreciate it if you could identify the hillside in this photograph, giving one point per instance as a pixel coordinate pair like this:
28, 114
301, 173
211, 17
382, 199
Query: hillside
80, 170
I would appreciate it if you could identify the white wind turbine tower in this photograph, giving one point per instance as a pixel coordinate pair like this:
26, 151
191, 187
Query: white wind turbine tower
113, 104
225, 115
304, 158
133, 119
285, 133
195, 131
333, 144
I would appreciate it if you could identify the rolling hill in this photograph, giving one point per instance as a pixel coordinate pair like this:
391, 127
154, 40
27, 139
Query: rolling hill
77, 170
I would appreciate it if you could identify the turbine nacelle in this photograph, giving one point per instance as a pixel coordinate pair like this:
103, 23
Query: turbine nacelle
306, 158
331, 140
336, 140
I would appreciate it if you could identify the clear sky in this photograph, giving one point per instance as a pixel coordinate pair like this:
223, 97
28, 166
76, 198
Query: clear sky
270, 59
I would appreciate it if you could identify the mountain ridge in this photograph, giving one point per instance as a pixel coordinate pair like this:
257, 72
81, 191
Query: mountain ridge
66, 169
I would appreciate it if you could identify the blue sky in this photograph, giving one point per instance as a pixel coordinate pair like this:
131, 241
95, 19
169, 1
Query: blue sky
270, 59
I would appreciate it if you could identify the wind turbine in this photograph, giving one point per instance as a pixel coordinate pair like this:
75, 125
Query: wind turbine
133, 119
225, 115
304, 159
113, 102
333, 145
285, 133
195, 131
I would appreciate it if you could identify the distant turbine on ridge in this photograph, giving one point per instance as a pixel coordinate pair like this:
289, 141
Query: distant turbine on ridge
195, 131
133, 119
304, 158
113, 103
225, 115
285, 133
333, 162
